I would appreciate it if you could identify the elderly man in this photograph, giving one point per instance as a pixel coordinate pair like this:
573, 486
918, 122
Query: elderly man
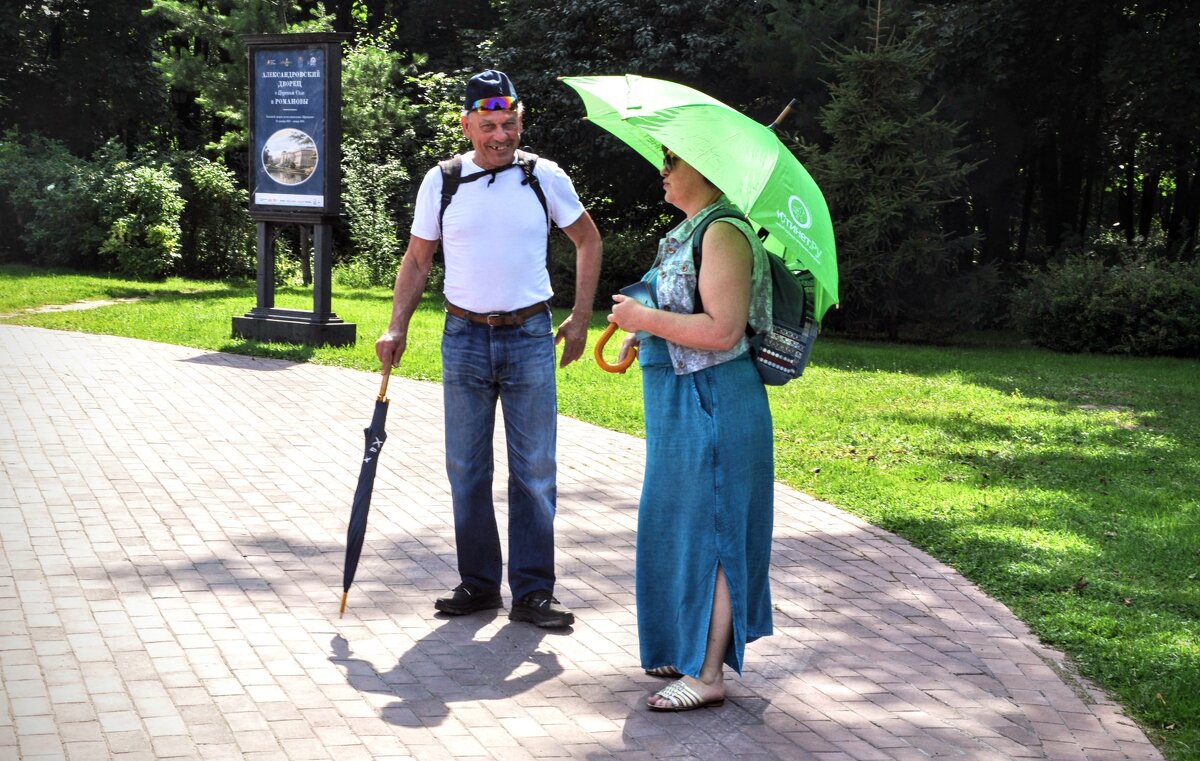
491, 208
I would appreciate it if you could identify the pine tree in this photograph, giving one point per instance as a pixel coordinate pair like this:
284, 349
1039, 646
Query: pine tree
888, 171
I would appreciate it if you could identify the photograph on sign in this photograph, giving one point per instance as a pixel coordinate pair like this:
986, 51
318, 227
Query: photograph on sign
290, 156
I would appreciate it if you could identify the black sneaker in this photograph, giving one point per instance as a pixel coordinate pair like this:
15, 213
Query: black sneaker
541, 609
465, 599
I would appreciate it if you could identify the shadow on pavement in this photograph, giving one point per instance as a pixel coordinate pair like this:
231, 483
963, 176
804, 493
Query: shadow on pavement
451, 665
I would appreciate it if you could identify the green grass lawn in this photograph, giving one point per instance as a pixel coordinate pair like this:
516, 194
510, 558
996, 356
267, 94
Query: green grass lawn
1027, 471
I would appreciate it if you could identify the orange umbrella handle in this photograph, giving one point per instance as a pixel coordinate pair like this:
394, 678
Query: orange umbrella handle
598, 353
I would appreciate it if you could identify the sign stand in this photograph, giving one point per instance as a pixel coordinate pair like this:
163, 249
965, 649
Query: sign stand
295, 158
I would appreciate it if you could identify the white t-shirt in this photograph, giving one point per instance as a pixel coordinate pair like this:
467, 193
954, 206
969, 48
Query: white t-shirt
495, 235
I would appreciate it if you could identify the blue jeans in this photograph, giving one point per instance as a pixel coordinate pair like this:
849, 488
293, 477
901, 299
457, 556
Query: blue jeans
514, 364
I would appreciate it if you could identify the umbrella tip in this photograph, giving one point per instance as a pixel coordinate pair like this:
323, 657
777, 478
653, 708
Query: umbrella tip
342, 612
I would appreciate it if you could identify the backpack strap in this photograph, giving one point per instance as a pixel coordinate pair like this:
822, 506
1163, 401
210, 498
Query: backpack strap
528, 161
698, 236
452, 177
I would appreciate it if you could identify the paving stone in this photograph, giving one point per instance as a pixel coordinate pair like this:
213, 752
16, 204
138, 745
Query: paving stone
171, 545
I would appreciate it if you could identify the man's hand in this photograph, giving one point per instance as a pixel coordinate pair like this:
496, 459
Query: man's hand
390, 348
573, 335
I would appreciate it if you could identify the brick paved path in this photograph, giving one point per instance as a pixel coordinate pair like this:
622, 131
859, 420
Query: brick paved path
172, 525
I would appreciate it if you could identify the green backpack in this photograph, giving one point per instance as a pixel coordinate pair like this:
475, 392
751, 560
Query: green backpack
781, 352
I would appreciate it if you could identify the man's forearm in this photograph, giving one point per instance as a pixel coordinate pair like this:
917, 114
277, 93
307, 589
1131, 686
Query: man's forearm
587, 274
411, 279
406, 295
589, 250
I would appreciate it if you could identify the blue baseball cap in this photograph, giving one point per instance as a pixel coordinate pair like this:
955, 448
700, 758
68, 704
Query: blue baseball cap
490, 90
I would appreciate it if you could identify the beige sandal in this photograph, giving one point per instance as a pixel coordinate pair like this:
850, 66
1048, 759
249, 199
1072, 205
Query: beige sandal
666, 672
682, 698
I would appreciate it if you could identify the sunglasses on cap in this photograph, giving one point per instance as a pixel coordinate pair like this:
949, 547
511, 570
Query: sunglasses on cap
669, 160
494, 103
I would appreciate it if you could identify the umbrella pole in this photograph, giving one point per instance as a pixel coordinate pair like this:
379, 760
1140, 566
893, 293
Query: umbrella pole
785, 113
342, 612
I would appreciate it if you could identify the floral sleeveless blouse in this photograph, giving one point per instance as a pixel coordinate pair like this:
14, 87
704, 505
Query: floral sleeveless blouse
674, 276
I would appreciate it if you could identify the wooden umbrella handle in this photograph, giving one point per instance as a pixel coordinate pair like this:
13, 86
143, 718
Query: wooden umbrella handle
598, 353
387, 375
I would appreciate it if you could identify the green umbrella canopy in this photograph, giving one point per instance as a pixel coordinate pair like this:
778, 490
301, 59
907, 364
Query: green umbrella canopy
743, 158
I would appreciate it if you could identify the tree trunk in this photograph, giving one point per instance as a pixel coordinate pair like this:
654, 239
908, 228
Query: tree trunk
1070, 189
1181, 226
1085, 209
1125, 200
991, 188
340, 10
1051, 217
1026, 215
1188, 194
1149, 203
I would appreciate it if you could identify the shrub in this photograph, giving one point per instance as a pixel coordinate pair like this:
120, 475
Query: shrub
144, 206
370, 187
966, 301
352, 273
216, 229
289, 269
1141, 305
107, 212
49, 198
627, 256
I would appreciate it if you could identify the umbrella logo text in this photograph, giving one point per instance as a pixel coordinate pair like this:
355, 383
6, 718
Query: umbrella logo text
790, 222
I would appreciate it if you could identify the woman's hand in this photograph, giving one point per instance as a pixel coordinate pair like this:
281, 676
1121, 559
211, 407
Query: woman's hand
629, 314
629, 344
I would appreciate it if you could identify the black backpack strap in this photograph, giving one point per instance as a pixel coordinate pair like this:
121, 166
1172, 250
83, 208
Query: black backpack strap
528, 161
451, 179
698, 235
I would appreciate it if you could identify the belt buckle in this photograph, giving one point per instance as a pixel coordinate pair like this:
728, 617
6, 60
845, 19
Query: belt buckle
499, 317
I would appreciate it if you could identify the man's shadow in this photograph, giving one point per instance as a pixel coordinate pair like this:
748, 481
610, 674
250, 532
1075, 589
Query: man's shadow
449, 665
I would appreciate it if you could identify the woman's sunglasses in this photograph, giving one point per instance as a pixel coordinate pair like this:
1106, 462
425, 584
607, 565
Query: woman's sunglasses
669, 160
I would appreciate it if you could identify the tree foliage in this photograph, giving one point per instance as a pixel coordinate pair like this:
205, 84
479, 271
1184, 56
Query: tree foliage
1072, 120
688, 41
79, 71
1079, 113
202, 61
889, 168
784, 48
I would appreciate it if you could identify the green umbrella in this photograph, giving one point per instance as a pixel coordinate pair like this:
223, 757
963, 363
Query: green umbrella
743, 158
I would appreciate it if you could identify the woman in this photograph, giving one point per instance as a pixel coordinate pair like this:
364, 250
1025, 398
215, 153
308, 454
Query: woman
704, 520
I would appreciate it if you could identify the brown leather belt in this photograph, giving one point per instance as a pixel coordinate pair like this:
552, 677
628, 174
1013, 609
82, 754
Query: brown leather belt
498, 319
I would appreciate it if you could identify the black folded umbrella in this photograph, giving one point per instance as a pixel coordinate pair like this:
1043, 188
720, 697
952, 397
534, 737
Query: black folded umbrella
357, 531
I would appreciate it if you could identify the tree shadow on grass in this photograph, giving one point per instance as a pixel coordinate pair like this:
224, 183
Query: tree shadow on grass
255, 355
268, 350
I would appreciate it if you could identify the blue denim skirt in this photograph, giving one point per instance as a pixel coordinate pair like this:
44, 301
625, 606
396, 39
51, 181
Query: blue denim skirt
707, 500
